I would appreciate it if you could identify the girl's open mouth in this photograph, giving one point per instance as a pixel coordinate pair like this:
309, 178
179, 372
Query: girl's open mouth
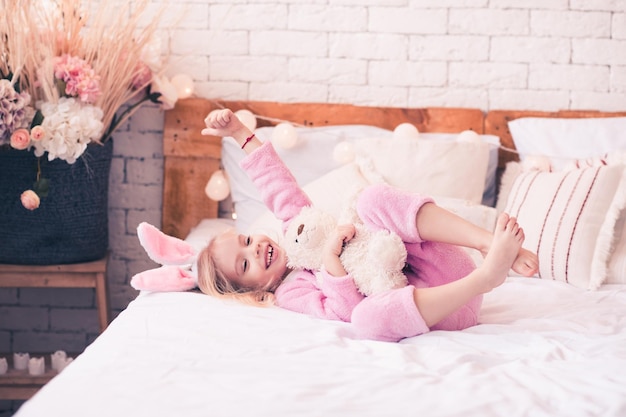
269, 256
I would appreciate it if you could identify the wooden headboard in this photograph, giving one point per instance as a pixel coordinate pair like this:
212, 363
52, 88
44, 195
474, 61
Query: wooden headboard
191, 158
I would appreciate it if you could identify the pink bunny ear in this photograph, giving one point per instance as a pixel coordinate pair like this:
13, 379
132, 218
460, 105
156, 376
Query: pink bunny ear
165, 278
164, 249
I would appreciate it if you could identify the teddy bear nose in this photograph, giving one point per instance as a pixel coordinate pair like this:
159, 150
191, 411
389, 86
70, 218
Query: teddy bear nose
300, 229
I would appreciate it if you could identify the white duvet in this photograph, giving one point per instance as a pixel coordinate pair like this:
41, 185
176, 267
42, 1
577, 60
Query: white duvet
543, 349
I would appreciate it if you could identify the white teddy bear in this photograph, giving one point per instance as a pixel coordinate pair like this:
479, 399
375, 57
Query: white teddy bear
374, 259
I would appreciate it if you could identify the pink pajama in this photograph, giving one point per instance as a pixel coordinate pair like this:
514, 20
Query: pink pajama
389, 316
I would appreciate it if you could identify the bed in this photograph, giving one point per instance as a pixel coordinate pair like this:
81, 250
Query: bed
552, 345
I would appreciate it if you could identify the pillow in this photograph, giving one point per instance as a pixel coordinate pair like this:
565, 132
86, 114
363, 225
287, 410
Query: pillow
617, 262
436, 168
568, 218
330, 192
206, 230
311, 158
491, 187
564, 139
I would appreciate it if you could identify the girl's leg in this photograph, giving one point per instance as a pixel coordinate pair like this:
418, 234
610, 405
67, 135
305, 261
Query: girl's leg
437, 303
416, 219
437, 224
440, 225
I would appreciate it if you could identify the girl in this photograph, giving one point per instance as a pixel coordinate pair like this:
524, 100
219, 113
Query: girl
445, 288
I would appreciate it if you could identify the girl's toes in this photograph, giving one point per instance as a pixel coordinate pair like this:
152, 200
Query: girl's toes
512, 224
503, 220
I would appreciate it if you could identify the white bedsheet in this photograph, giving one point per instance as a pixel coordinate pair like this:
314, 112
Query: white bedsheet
544, 349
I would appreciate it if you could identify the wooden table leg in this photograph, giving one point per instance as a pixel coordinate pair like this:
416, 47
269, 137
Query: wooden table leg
102, 300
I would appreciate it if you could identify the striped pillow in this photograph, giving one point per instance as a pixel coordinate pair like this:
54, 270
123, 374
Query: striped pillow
568, 218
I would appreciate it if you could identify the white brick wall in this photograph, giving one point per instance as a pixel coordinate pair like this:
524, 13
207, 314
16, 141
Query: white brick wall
489, 54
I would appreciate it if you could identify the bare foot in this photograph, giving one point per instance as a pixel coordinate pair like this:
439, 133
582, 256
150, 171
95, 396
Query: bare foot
507, 242
526, 263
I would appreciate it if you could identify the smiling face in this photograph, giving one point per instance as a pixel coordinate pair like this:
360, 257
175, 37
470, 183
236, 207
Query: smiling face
251, 262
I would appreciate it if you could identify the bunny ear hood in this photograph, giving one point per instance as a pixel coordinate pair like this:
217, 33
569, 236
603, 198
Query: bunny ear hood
176, 256
164, 249
164, 279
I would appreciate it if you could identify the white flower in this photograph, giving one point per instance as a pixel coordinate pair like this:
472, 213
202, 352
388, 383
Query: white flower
169, 94
69, 125
151, 53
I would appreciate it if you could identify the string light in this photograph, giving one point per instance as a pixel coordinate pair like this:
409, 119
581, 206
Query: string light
183, 84
217, 188
344, 152
247, 118
467, 135
405, 131
285, 135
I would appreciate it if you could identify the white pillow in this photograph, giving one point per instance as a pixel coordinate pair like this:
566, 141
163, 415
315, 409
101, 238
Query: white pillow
311, 158
568, 218
617, 263
436, 168
330, 192
206, 230
333, 191
564, 139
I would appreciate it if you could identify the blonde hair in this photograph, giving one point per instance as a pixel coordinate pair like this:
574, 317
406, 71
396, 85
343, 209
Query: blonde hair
212, 281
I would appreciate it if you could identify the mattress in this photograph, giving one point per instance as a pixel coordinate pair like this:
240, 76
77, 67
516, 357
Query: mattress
543, 348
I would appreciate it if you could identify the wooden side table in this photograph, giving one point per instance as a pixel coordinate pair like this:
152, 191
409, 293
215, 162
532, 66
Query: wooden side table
83, 275
19, 385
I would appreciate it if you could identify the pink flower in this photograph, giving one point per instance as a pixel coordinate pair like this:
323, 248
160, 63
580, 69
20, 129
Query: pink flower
30, 200
142, 76
37, 133
79, 77
20, 139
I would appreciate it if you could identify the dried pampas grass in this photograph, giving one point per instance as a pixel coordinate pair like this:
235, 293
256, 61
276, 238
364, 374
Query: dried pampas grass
110, 35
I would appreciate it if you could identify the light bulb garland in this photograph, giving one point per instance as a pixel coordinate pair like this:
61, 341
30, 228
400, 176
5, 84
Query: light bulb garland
217, 188
406, 131
183, 84
285, 136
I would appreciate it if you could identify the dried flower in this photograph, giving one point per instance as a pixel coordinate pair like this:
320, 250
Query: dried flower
79, 78
20, 139
68, 77
14, 110
142, 76
30, 200
37, 133
72, 127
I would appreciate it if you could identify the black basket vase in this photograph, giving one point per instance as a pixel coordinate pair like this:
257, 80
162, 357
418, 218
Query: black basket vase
71, 223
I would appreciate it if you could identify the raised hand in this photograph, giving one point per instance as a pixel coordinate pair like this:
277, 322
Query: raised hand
224, 123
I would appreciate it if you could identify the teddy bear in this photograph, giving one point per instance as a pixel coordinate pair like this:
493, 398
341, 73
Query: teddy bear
374, 259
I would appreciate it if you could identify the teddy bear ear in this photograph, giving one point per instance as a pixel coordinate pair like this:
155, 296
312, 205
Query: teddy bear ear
164, 249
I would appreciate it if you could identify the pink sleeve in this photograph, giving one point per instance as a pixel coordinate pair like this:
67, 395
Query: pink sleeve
385, 207
330, 297
389, 316
278, 187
